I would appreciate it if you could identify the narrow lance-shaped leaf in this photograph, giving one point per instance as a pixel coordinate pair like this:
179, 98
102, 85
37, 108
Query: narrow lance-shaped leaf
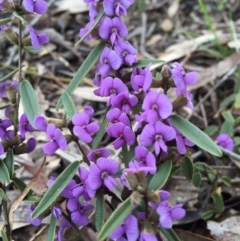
52, 229
55, 190
98, 18
169, 234
31, 50
187, 167
100, 211
4, 236
8, 76
4, 21
195, 135
9, 162
117, 217
4, 175
20, 17
160, 178
4, 196
29, 100
83, 70
144, 63
68, 104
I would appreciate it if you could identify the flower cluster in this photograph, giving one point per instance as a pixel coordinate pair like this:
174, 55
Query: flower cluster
28, 6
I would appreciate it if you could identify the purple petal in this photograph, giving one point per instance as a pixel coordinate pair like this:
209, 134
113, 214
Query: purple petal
117, 233
60, 139
43, 38
79, 218
28, 5
40, 6
108, 165
73, 204
94, 178
110, 182
191, 78
40, 123
82, 134
92, 127
131, 228
50, 147
164, 106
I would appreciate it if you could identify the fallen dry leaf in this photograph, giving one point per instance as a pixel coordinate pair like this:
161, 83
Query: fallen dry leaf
72, 6
189, 236
227, 230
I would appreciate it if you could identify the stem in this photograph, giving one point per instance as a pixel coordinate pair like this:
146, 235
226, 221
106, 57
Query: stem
146, 207
20, 74
5, 213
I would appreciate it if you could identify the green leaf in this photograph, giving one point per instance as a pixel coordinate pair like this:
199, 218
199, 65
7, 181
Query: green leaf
117, 217
4, 236
237, 101
227, 128
228, 100
4, 21
141, 6
228, 117
8, 76
98, 18
9, 162
207, 215
101, 132
218, 201
83, 70
31, 50
17, 15
68, 105
227, 181
169, 234
160, 178
4, 175
30, 197
52, 229
4, 196
29, 100
187, 167
197, 179
145, 62
100, 211
195, 135
211, 130
55, 190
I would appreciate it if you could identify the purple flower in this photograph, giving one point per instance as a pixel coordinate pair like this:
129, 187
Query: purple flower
34, 221
35, 6
163, 196
84, 30
78, 211
4, 86
82, 128
145, 158
31, 145
37, 39
112, 29
24, 125
147, 237
1, 149
40, 123
83, 189
67, 191
64, 224
126, 52
122, 133
168, 215
112, 87
109, 60
57, 212
225, 141
57, 140
181, 79
101, 173
156, 135
115, 115
189, 97
4, 124
141, 78
125, 101
128, 228
116, 7
155, 106
93, 155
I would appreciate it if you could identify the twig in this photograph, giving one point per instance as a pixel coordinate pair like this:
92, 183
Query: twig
224, 78
230, 154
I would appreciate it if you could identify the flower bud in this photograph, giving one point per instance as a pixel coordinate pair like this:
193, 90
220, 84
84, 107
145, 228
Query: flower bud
136, 198
132, 180
153, 197
11, 94
20, 149
11, 35
57, 122
179, 102
147, 227
69, 138
26, 41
